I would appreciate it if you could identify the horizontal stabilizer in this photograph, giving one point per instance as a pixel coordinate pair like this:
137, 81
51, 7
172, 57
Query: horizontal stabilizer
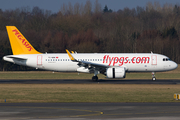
14, 57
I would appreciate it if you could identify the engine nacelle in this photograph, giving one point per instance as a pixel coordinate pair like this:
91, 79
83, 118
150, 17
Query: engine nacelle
116, 72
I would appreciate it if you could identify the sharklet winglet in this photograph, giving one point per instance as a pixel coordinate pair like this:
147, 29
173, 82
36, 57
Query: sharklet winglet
70, 56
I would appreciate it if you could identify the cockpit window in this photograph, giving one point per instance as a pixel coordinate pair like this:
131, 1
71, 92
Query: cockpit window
166, 59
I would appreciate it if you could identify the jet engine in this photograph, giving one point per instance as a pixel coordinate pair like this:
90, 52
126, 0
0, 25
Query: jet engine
116, 72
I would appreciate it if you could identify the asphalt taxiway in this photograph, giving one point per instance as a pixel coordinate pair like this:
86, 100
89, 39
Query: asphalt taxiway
88, 81
113, 111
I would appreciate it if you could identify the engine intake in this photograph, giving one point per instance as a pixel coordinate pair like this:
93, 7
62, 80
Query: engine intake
116, 72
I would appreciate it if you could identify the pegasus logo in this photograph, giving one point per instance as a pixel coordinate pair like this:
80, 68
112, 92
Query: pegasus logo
23, 40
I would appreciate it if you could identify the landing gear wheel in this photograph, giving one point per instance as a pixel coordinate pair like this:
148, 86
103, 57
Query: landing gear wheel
95, 78
154, 78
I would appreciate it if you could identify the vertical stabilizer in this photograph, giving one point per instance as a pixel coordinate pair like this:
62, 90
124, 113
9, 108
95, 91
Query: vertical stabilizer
19, 43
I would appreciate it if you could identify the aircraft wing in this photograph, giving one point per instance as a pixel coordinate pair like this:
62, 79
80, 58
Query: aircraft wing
86, 63
94, 64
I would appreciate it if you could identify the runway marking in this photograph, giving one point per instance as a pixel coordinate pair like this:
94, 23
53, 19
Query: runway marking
141, 113
95, 113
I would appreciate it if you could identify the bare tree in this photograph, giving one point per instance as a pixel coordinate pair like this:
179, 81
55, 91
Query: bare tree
97, 7
70, 8
88, 7
77, 9
64, 9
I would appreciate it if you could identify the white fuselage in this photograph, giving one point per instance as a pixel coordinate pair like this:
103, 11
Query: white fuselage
132, 62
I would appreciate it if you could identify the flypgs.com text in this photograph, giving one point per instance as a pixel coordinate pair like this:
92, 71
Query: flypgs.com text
24, 42
124, 60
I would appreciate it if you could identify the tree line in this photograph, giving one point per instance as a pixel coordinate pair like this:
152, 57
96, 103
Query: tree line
88, 28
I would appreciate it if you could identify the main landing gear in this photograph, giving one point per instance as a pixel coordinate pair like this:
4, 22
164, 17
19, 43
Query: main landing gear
153, 76
95, 77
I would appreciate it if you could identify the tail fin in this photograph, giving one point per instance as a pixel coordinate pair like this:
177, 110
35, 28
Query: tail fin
19, 43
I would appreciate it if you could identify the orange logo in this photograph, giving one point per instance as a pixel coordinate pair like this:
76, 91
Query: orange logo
24, 41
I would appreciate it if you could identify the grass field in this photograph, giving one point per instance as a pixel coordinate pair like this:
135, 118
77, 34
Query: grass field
16, 93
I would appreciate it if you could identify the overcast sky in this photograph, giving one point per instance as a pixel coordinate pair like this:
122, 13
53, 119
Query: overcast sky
54, 5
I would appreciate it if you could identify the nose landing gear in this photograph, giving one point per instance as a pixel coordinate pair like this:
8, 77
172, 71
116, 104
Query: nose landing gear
153, 76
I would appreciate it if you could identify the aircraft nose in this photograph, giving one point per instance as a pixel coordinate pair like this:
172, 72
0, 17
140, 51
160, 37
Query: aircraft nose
174, 65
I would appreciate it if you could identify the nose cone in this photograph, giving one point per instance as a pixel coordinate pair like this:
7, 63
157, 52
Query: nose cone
174, 65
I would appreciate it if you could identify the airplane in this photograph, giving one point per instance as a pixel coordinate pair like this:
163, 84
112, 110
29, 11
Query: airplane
112, 65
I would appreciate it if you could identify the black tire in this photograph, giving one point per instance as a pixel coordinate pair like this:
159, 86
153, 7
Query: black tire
154, 79
94, 78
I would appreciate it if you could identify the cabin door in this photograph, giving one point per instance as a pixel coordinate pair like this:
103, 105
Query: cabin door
39, 60
154, 60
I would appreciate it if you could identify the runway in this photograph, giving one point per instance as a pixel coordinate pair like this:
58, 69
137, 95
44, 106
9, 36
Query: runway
76, 111
87, 81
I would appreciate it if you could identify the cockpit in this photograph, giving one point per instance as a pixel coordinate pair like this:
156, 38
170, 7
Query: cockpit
166, 59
